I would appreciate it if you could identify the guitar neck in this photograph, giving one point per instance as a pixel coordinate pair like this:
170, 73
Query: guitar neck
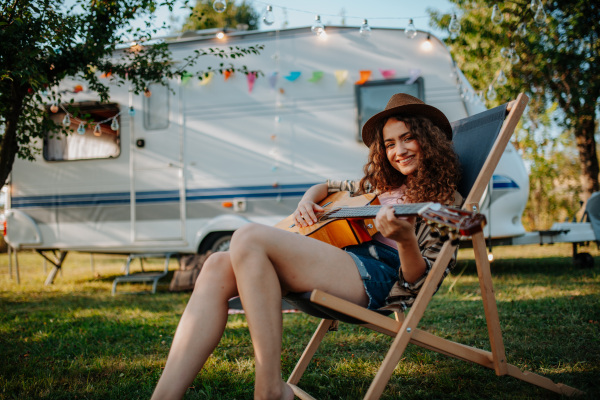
371, 211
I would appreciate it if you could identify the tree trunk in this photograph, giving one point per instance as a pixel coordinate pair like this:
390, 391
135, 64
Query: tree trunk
10, 146
588, 158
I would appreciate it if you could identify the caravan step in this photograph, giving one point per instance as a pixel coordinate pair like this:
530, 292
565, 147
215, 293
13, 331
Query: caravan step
144, 276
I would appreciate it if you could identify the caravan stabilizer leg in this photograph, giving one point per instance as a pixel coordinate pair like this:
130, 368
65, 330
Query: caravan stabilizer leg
56, 260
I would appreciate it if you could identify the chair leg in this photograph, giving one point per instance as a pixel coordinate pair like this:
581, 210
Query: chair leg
489, 304
310, 350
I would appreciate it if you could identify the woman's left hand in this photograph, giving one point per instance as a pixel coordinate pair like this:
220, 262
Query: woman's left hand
400, 229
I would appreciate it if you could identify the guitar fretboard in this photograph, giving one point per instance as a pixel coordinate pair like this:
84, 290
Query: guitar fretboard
371, 211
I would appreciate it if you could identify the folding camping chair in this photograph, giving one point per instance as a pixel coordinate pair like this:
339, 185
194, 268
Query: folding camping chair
479, 142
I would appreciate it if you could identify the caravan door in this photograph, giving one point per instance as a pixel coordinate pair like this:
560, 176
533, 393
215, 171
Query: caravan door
158, 190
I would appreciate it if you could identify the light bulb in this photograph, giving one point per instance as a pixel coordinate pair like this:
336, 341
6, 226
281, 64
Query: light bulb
365, 29
540, 16
54, 108
521, 29
318, 28
115, 124
501, 80
131, 111
410, 30
66, 121
219, 5
220, 35
454, 26
81, 129
97, 130
427, 46
534, 5
504, 52
491, 93
497, 16
513, 57
268, 16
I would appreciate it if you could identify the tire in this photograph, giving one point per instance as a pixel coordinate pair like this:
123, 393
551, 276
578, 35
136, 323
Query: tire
583, 260
216, 241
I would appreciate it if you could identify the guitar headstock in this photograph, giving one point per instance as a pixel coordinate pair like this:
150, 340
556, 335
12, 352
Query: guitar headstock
450, 220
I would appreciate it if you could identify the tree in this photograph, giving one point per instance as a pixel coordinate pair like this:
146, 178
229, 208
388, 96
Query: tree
43, 41
203, 16
549, 50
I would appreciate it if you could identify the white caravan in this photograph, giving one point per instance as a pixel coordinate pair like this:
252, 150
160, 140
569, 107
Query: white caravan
185, 167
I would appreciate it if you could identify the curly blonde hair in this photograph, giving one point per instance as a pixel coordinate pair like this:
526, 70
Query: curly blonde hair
437, 175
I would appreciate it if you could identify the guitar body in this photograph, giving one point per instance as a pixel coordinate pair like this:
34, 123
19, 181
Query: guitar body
338, 232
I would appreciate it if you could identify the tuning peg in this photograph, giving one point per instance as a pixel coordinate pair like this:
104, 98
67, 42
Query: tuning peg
444, 236
454, 239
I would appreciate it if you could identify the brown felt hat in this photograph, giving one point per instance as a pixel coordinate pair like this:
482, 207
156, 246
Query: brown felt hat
405, 104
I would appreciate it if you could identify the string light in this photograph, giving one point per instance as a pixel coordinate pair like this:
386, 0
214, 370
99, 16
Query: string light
268, 17
497, 16
501, 80
81, 128
454, 26
219, 5
426, 45
540, 15
220, 35
521, 29
317, 27
410, 30
115, 124
365, 29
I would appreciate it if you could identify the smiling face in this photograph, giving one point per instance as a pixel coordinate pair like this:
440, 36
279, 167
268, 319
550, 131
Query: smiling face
401, 146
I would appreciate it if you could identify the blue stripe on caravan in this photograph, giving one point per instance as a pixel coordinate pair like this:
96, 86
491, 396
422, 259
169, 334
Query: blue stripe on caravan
503, 182
159, 196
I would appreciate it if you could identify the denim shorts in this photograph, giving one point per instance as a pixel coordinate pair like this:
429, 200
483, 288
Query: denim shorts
378, 266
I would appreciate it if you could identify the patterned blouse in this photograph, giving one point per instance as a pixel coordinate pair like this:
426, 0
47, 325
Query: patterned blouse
403, 294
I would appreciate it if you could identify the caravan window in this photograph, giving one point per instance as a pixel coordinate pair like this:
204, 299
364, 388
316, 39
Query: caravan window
156, 108
372, 96
92, 135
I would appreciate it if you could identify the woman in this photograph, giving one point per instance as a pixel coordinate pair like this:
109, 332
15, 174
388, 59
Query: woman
410, 160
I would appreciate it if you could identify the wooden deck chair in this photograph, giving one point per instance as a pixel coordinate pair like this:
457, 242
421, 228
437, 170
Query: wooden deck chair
491, 131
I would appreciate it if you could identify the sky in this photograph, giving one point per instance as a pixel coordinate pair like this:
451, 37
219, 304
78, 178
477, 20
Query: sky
379, 13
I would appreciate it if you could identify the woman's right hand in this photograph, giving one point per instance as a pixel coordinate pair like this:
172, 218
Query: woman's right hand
306, 213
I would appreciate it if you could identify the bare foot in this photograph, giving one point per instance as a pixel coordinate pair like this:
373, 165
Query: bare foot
288, 393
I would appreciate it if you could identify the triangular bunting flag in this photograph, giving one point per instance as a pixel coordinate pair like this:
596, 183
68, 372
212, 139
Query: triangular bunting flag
206, 78
316, 76
340, 76
251, 78
273, 79
364, 76
293, 76
387, 73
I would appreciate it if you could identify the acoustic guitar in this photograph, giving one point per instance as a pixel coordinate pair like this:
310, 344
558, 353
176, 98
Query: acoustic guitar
348, 220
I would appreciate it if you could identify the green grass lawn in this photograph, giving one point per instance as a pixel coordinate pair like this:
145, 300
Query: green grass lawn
74, 340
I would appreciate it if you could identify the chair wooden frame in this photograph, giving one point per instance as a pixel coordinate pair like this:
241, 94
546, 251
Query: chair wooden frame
405, 329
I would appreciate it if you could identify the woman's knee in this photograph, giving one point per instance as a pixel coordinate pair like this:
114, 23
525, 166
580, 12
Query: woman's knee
216, 270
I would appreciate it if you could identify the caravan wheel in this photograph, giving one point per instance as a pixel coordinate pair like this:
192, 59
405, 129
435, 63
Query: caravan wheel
216, 241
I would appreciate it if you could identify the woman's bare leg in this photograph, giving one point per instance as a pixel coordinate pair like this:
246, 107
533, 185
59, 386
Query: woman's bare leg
200, 328
267, 263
